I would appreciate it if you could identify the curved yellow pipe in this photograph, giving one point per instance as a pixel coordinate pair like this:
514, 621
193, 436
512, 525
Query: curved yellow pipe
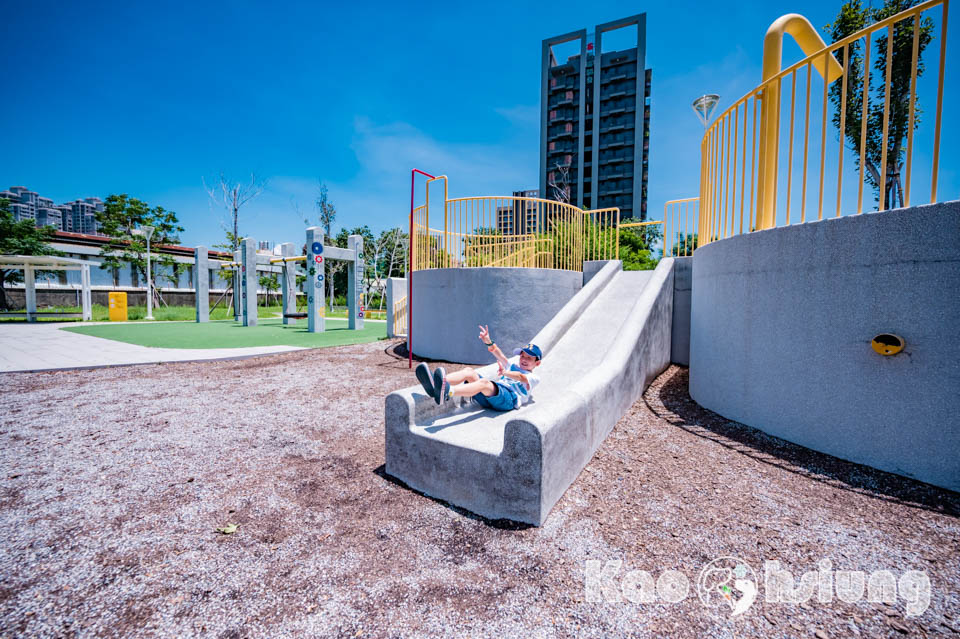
806, 36
810, 42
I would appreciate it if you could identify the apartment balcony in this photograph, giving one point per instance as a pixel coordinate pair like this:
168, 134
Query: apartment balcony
613, 95
614, 127
615, 144
620, 175
618, 76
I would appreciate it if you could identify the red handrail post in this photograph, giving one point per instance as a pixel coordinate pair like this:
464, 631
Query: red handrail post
413, 174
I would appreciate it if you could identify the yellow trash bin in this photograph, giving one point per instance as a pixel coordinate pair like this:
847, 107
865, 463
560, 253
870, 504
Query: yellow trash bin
118, 307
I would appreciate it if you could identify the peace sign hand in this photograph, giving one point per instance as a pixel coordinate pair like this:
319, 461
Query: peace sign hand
485, 335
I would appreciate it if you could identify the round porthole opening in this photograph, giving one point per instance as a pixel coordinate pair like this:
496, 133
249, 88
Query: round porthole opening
887, 344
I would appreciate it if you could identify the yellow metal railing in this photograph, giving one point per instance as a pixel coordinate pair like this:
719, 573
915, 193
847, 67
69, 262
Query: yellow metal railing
744, 185
680, 236
400, 317
509, 231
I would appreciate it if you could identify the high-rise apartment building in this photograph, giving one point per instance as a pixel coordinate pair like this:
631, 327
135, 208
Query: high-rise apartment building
595, 122
519, 216
79, 216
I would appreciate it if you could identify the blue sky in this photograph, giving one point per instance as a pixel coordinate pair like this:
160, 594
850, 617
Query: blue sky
148, 99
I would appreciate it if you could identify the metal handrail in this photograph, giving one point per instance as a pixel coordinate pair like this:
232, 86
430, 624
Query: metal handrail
724, 149
487, 231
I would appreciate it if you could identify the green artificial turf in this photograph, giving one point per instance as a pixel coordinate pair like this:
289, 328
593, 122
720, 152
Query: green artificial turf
230, 334
101, 313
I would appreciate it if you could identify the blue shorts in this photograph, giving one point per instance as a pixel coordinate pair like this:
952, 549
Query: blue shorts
505, 399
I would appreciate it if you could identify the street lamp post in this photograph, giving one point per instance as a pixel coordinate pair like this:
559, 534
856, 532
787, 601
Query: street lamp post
704, 106
147, 231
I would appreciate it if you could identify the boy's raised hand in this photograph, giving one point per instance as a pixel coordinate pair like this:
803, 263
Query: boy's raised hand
484, 335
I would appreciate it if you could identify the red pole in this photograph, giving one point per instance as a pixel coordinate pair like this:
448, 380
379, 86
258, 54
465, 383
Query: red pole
413, 174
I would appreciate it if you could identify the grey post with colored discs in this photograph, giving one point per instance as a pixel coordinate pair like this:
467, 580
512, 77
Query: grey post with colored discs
237, 286
356, 306
249, 285
201, 283
315, 285
288, 285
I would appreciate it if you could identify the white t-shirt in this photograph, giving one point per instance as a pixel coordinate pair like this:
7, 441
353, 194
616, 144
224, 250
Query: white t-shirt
523, 395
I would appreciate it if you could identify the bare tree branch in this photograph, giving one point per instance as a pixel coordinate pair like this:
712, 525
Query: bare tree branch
559, 181
232, 196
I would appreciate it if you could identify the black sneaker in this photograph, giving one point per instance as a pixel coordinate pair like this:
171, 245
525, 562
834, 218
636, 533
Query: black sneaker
446, 393
438, 386
423, 376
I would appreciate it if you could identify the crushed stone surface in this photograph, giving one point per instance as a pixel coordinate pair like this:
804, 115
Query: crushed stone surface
114, 482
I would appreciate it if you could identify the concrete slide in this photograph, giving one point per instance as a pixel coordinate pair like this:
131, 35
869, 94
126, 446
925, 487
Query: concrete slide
600, 353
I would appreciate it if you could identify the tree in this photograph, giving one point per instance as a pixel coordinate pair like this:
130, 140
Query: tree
636, 247
327, 213
269, 283
20, 238
388, 253
341, 272
120, 216
853, 17
559, 182
684, 245
232, 196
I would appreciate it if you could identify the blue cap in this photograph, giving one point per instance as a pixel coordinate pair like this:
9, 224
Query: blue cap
530, 349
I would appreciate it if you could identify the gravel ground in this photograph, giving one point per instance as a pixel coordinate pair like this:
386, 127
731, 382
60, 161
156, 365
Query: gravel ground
114, 482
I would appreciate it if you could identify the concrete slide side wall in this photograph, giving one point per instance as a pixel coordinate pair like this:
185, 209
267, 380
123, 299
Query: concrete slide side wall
680, 334
570, 434
449, 303
781, 325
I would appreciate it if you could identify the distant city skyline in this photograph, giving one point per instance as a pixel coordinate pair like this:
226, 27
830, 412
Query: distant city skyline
148, 99
77, 216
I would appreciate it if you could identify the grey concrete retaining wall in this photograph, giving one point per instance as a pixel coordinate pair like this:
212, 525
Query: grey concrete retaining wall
680, 335
781, 325
396, 289
62, 297
591, 268
449, 303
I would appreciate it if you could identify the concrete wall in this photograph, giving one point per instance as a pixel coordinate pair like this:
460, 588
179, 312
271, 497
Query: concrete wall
135, 297
680, 333
781, 325
449, 303
396, 289
591, 268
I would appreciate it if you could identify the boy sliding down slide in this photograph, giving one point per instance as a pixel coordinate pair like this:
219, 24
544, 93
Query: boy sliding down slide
513, 386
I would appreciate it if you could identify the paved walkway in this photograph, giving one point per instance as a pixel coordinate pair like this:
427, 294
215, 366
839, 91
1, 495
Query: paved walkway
43, 346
